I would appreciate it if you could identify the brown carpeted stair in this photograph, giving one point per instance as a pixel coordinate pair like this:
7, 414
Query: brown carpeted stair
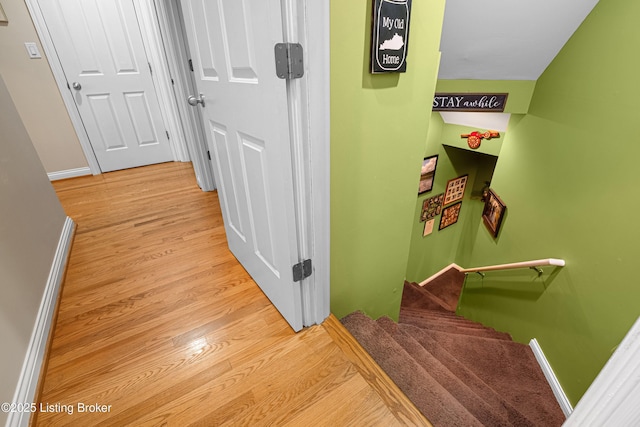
457, 372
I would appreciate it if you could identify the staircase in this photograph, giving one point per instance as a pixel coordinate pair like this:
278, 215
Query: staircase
457, 372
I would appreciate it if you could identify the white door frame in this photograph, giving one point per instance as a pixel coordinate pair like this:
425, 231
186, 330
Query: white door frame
160, 76
171, 27
307, 22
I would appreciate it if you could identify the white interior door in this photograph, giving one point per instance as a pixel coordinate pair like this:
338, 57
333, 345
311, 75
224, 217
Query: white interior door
247, 129
102, 54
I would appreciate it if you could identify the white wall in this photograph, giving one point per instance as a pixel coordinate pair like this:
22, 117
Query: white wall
35, 93
31, 221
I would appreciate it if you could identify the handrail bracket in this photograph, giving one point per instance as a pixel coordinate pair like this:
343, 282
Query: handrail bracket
538, 270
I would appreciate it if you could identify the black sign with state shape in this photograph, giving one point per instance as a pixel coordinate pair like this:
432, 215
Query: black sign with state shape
390, 36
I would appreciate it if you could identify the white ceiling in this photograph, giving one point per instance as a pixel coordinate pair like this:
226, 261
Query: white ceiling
493, 121
506, 39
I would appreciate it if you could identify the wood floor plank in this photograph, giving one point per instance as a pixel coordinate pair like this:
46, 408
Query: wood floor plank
159, 322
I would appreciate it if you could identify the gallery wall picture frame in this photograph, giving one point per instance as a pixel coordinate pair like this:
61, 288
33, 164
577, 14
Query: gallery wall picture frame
450, 215
493, 213
428, 227
427, 174
431, 207
3, 16
455, 189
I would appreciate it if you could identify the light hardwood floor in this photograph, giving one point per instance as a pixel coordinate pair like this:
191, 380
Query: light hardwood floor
159, 322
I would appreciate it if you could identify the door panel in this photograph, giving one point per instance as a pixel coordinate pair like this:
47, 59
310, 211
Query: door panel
222, 157
100, 48
232, 43
238, 40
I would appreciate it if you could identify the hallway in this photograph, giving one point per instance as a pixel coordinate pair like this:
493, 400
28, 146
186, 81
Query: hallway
162, 326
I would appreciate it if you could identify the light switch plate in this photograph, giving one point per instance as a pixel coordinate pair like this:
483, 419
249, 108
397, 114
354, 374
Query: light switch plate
32, 50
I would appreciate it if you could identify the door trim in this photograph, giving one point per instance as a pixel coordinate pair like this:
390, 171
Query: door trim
176, 143
171, 27
308, 100
161, 76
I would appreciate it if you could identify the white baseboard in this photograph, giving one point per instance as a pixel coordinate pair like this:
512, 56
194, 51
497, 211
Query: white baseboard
440, 273
558, 392
69, 173
29, 376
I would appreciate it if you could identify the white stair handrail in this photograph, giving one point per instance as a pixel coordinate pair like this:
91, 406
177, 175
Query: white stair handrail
524, 264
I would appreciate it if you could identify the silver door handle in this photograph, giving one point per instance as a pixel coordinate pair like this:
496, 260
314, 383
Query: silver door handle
76, 85
192, 100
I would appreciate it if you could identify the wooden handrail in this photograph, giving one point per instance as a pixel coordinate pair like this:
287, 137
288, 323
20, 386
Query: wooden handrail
524, 264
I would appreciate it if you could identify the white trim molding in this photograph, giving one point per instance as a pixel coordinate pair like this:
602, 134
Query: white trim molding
69, 173
172, 30
29, 376
307, 22
614, 396
440, 273
555, 385
161, 76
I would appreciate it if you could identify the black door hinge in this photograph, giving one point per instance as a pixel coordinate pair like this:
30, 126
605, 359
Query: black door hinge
191, 65
302, 270
209, 154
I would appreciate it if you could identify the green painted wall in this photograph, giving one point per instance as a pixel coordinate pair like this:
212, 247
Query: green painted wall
429, 254
379, 127
568, 174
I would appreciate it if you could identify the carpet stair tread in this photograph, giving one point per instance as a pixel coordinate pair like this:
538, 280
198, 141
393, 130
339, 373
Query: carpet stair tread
456, 371
447, 287
415, 297
474, 403
453, 328
438, 405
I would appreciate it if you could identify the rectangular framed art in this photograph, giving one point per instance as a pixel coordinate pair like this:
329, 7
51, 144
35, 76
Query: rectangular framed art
493, 212
450, 215
427, 174
428, 227
431, 207
455, 189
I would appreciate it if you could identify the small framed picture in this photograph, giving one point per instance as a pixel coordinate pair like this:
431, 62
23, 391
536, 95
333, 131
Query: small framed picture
450, 215
428, 227
493, 212
427, 174
455, 189
431, 207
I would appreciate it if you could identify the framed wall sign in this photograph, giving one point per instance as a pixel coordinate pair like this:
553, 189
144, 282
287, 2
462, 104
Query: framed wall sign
431, 207
493, 212
390, 36
450, 215
484, 102
428, 227
427, 174
455, 189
